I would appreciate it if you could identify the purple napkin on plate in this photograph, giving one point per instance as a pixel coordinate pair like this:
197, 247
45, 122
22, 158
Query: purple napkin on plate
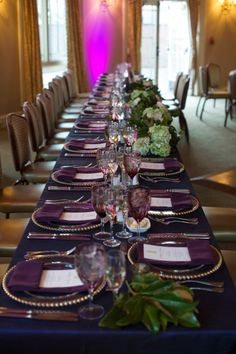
51, 213
199, 252
179, 201
26, 277
170, 165
68, 174
75, 144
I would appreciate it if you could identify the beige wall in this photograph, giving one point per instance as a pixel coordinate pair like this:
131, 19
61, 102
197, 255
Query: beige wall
9, 58
217, 37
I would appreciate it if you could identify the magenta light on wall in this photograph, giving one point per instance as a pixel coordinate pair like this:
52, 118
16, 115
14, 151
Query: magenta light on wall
98, 38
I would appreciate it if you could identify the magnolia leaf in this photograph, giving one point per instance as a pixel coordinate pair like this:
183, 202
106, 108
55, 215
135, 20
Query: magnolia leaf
134, 308
188, 320
151, 318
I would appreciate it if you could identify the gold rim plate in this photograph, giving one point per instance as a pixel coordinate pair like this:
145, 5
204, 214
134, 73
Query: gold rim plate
80, 184
181, 273
161, 173
195, 206
51, 300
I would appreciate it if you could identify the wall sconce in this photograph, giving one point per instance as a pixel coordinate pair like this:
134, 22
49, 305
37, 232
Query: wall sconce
226, 6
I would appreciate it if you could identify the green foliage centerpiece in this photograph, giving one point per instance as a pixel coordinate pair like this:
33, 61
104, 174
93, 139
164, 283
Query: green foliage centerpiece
156, 134
154, 302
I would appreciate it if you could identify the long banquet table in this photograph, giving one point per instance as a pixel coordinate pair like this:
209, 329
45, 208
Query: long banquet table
217, 312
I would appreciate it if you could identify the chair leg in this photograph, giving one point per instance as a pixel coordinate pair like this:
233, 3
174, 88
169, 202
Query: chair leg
199, 101
183, 125
227, 113
203, 106
214, 104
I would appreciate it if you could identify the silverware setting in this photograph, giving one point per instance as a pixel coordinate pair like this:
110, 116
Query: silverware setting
79, 154
39, 314
42, 253
57, 236
216, 284
159, 179
69, 188
179, 190
174, 219
62, 201
210, 289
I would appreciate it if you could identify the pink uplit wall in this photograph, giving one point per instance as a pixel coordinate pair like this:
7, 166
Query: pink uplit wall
102, 28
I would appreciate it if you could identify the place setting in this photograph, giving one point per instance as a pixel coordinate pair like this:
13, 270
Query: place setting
84, 146
90, 126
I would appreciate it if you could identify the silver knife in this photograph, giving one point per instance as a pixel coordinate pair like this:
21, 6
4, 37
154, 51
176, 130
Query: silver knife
185, 191
69, 188
186, 235
57, 236
39, 314
80, 155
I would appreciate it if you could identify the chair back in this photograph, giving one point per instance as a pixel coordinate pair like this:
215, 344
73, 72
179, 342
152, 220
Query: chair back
232, 84
64, 90
214, 75
46, 104
182, 90
175, 88
18, 132
70, 81
34, 116
204, 79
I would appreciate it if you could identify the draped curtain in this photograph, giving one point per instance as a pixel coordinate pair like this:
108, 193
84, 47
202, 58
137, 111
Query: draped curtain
134, 33
32, 79
193, 7
75, 45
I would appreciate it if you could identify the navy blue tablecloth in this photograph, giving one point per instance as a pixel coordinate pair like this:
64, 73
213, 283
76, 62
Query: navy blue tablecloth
217, 312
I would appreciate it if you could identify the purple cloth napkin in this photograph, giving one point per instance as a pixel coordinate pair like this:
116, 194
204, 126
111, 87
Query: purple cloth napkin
180, 201
26, 277
199, 251
50, 213
68, 174
75, 144
87, 124
170, 165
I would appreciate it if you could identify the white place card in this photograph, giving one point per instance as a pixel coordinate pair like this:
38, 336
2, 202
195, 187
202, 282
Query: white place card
161, 202
152, 166
166, 254
95, 146
78, 216
60, 278
89, 176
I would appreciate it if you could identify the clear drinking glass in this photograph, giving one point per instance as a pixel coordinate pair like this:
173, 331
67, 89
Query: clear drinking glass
132, 162
90, 264
115, 271
124, 233
139, 202
98, 201
129, 136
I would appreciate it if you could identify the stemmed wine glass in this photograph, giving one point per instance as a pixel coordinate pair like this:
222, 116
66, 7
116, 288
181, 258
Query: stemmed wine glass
124, 233
113, 134
90, 264
129, 135
132, 162
139, 202
102, 162
115, 271
98, 202
113, 199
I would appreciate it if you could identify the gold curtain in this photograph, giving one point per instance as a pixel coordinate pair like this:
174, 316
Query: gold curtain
75, 45
32, 78
134, 33
193, 7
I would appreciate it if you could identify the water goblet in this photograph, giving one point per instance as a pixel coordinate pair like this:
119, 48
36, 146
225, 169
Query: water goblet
132, 162
98, 202
102, 158
115, 271
113, 199
113, 134
139, 202
129, 135
124, 233
90, 264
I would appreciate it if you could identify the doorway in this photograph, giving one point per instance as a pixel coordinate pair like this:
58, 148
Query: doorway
165, 46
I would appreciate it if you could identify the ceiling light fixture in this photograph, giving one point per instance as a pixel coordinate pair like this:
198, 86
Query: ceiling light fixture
226, 6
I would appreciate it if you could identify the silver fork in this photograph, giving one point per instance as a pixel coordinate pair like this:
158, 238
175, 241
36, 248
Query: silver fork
216, 284
170, 220
39, 254
62, 201
159, 179
210, 289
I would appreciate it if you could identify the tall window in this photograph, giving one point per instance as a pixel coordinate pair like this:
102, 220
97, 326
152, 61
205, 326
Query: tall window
52, 30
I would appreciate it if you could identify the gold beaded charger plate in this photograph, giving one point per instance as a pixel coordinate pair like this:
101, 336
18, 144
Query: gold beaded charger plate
178, 272
62, 225
169, 212
49, 300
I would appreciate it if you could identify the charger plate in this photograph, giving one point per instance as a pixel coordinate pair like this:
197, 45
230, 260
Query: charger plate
181, 272
161, 173
54, 177
48, 300
195, 206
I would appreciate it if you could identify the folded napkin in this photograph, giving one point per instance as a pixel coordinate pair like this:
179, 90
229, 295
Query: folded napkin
74, 213
168, 165
89, 109
171, 201
70, 174
189, 252
92, 124
86, 144
30, 276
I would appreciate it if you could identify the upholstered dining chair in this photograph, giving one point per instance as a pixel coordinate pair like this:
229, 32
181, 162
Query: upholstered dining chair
65, 96
232, 95
209, 92
172, 100
19, 198
23, 156
43, 151
177, 109
75, 98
